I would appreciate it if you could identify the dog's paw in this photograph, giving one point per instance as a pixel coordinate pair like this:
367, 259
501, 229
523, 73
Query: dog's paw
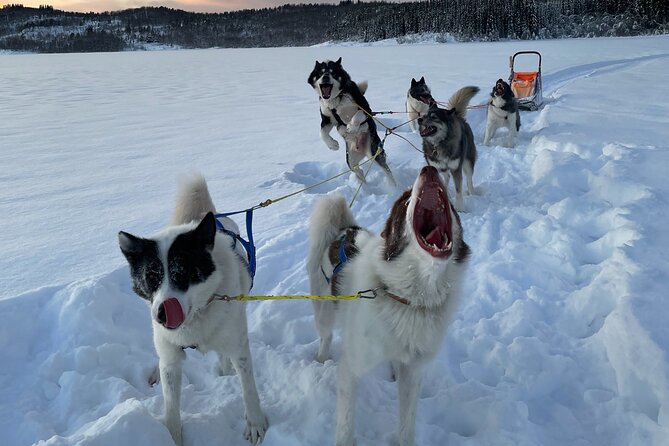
154, 377
175, 432
256, 428
332, 144
459, 204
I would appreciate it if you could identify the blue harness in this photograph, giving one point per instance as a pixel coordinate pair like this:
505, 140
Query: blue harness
248, 245
342, 259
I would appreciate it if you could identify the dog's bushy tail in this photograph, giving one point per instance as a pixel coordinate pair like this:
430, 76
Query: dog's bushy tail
460, 100
330, 216
362, 86
193, 200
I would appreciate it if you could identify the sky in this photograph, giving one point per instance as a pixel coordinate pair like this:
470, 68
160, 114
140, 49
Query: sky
187, 5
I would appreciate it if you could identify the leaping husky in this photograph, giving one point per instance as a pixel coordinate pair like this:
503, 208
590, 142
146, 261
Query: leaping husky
343, 104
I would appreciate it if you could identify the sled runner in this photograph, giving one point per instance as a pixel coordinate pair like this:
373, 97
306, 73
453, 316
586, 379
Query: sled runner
526, 85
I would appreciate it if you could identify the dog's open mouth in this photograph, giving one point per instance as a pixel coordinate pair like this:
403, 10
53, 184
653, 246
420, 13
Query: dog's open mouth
427, 130
432, 215
427, 99
326, 91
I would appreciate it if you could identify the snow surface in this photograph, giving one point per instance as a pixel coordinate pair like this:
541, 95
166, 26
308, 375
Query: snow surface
561, 338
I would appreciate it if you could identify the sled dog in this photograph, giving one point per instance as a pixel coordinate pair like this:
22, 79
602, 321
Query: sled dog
448, 141
177, 271
419, 99
343, 105
414, 267
502, 112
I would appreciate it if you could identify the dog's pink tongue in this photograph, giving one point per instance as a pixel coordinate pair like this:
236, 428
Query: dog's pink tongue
174, 314
435, 237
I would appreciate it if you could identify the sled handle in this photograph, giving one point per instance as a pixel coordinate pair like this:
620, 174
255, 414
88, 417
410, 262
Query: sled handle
512, 59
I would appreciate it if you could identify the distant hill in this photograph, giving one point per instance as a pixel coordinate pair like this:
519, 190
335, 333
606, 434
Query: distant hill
46, 29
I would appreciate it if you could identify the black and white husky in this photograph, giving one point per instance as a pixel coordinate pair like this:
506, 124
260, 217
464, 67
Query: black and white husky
415, 266
502, 112
344, 105
448, 141
419, 99
178, 271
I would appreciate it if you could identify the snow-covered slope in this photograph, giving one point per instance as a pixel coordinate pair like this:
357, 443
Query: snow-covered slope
561, 337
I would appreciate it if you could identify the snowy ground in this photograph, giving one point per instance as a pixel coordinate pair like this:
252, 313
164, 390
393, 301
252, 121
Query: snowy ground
561, 338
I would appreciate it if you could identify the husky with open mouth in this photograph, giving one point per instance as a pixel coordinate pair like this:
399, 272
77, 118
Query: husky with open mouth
419, 99
448, 141
502, 112
343, 105
177, 272
415, 268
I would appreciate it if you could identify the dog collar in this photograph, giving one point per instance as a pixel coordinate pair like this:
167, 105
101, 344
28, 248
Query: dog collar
395, 297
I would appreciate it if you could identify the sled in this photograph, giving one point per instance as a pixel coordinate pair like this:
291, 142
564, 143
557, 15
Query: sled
526, 85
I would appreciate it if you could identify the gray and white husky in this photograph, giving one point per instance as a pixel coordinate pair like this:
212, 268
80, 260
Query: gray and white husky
419, 99
448, 141
415, 266
177, 271
502, 112
343, 104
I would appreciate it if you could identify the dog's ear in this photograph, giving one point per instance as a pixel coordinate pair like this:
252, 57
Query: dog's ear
338, 61
413, 82
394, 231
131, 246
422, 80
205, 233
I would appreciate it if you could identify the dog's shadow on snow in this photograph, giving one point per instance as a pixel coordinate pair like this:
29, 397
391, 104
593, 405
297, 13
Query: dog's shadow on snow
311, 173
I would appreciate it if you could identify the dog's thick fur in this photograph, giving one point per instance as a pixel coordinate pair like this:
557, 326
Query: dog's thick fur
188, 262
448, 141
423, 266
341, 101
419, 99
502, 112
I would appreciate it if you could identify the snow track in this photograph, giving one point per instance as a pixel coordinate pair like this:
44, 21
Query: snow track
560, 340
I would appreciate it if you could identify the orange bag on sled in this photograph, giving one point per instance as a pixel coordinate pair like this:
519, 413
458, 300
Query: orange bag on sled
526, 85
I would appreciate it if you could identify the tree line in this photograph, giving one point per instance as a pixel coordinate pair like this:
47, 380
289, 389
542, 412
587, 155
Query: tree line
46, 29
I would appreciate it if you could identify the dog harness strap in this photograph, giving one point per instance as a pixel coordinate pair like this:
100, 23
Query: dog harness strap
249, 246
342, 255
343, 258
337, 117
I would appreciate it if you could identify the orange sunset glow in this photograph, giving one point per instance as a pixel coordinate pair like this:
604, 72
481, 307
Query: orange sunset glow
187, 5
